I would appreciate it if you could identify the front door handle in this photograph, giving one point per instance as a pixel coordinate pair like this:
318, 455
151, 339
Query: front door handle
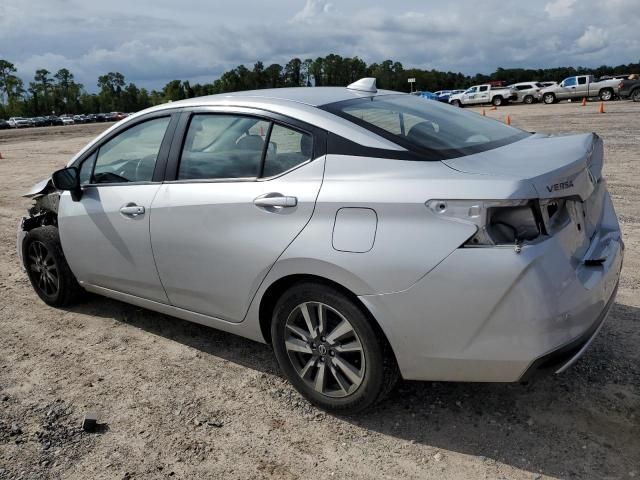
275, 200
132, 210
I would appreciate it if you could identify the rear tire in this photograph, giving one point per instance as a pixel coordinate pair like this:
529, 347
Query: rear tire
497, 101
635, 95
606, 94
528, 99
549, 98
47, 267
330, 351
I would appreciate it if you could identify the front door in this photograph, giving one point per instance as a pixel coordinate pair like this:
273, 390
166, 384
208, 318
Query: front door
105, 235
245, 187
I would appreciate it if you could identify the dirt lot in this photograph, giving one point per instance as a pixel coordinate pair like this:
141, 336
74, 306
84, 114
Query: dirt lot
183, 401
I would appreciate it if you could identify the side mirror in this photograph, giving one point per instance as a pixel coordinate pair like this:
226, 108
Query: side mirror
68, 179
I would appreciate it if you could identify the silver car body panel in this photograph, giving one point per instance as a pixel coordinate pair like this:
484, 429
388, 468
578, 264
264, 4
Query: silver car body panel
106, 248
449, 312
226, 240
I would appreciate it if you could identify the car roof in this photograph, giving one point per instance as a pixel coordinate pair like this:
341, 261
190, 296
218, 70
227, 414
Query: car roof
312, 96
297, 102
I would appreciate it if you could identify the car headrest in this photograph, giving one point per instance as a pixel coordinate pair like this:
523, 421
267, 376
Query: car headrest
251, 142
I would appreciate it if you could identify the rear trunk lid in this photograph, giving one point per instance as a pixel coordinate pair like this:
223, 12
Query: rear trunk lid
565, 171
557, 166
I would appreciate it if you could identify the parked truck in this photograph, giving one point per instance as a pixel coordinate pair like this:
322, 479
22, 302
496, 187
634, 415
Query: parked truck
484, 94
581, 86
630, 88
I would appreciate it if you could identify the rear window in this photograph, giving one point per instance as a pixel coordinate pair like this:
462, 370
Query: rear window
434, 130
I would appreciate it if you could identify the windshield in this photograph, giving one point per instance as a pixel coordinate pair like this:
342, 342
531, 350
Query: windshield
432, 129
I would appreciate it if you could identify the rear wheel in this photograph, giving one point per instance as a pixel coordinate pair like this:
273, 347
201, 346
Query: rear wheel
549, 98
528, 99
635, 95
47, 267
497, 101
329, 350
606, 94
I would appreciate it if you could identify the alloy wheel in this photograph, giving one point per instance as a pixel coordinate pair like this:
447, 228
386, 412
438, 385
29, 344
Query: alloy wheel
43, 268
324, 349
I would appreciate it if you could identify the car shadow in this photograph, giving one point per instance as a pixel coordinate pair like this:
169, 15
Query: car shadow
584, 423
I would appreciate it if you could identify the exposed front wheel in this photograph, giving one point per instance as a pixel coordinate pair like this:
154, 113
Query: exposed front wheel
635, 95
606, 94
329, 350
528, 99
47, 267
456, 103
549, 98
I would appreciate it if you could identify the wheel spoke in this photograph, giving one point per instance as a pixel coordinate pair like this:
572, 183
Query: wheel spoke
308, 366
320, 377
304, 309
339, 379
295, 345
343, 329
321, 319
298, 331
349, 370
350, 347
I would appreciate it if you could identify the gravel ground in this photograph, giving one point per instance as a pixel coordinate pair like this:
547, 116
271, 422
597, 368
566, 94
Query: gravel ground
179, 400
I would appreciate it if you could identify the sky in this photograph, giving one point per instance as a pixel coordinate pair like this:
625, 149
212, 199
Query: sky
152, 42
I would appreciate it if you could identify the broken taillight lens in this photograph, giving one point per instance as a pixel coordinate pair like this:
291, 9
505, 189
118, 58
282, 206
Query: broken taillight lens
498, 222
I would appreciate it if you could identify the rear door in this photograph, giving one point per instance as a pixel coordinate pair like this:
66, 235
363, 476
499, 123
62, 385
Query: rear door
483, 94
240, 187
582, 87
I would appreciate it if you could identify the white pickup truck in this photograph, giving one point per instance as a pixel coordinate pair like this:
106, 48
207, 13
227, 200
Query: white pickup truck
581, 86
483, 94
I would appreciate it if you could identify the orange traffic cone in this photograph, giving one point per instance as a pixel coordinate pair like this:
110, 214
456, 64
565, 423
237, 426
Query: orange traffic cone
493, 108
584, 101
601, 109
484, 114
507, 120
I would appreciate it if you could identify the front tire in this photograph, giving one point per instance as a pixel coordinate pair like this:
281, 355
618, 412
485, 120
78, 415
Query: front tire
456, 103
47, 267
528, 99
549, 98
635, 95
329, 350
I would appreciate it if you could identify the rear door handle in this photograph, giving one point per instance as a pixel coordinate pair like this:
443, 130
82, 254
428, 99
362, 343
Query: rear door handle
275, 200
132, 210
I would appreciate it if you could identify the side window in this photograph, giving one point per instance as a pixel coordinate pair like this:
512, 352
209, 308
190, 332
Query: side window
86, 168
222, 146
287, 148
131, 156
484, 88
582, 80
569, 82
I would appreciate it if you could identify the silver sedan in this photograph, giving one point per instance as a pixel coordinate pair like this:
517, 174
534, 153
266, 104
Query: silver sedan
366, 234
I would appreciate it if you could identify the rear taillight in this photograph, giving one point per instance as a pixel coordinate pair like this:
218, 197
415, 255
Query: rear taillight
498, 222
621, 84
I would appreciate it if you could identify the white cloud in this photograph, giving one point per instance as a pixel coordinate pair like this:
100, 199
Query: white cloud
195, 41
559, 8
312, 10
593, 39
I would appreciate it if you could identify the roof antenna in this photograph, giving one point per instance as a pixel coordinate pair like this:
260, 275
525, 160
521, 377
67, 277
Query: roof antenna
364, 85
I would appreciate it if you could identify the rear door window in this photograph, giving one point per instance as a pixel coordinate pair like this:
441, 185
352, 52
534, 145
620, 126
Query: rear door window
287, 149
